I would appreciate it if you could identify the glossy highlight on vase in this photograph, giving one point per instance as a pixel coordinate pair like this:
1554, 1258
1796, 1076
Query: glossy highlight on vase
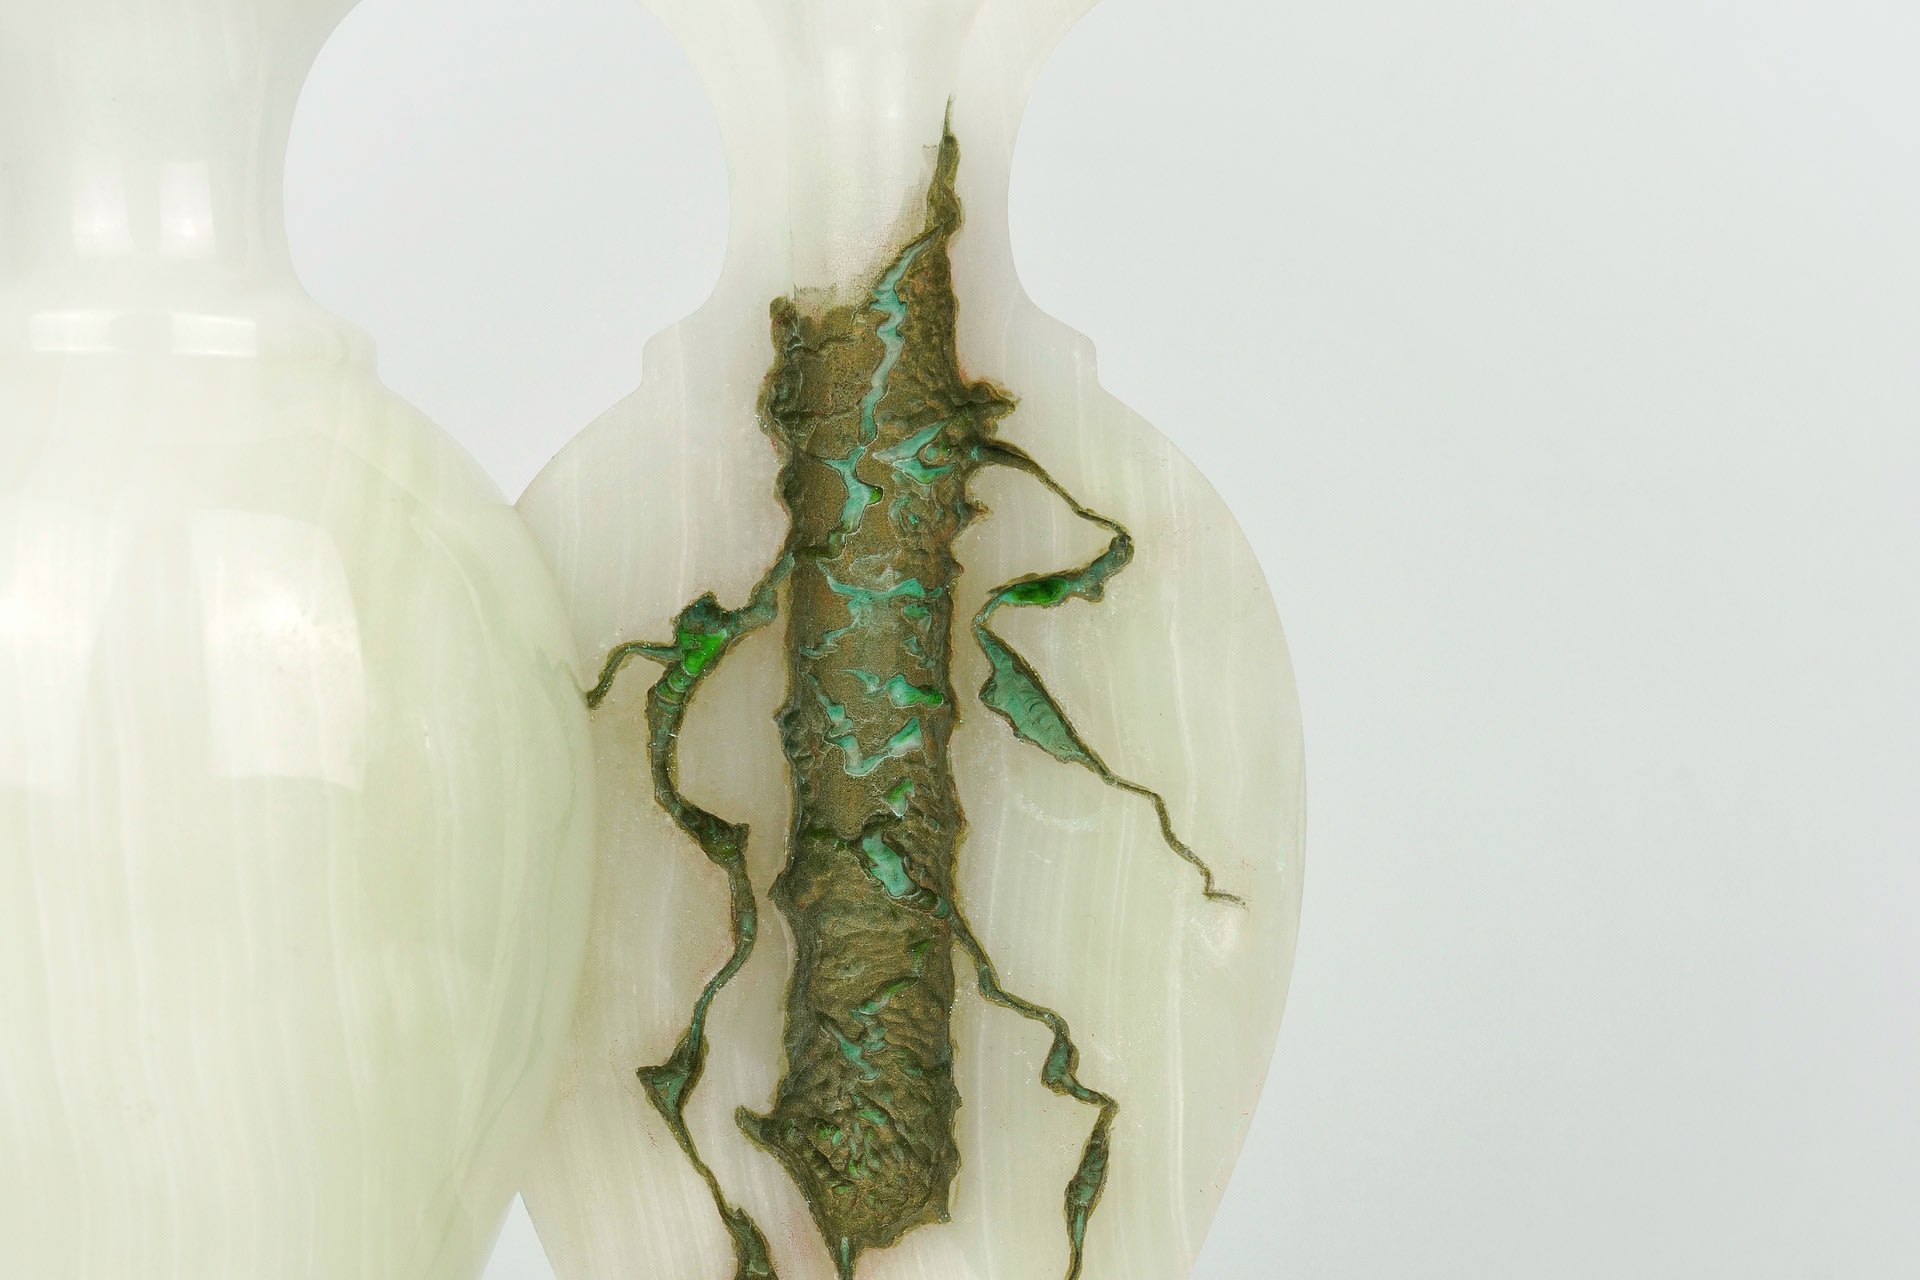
296, 802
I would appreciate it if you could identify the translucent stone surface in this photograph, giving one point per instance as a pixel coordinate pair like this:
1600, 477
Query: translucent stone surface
295, 802
1179, 678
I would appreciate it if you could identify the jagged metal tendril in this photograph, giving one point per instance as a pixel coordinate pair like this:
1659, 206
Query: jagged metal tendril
703, 635
1058, 1074
1015, 692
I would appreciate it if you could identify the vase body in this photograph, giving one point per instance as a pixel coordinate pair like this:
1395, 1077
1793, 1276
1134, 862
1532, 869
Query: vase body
1174, 672
295, 800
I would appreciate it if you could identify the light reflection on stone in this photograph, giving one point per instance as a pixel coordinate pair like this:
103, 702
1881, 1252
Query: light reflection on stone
56, 573
286, 687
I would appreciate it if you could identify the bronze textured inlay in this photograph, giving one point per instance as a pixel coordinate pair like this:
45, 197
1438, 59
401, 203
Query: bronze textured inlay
880, 433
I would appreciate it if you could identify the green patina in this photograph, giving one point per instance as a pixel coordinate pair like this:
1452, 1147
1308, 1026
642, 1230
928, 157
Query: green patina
900, 691
872, 413
899, 796
887, 867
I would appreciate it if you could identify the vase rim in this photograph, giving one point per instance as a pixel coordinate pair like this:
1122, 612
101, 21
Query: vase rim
146, 145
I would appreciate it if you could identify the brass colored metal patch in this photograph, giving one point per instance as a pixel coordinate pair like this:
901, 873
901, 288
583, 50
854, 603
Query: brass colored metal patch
881, 433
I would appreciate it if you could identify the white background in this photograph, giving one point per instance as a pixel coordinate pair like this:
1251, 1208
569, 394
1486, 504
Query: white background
1563, 361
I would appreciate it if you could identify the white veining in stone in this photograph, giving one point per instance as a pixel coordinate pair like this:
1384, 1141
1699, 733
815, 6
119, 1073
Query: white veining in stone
286, 681
295, 797
1180, 678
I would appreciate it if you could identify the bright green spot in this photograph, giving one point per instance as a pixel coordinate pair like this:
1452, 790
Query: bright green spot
1038, 591
697, 649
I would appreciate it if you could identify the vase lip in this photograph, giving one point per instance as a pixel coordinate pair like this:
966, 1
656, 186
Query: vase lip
145, 144
195, 46
703, 21
840, 19
830, 127
131, 14
803, 60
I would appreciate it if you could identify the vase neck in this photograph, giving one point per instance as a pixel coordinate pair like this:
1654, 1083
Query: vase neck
143, 149
866, 87
833, 112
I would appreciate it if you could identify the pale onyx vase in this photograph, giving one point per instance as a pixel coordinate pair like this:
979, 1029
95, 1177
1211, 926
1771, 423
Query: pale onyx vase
1174, 675
295, 796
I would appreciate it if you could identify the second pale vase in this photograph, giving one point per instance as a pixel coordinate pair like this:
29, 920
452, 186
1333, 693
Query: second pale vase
991, 988
295, 804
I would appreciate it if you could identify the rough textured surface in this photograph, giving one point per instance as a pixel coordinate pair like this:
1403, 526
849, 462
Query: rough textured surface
882, 435
1178, 679
863, 1118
